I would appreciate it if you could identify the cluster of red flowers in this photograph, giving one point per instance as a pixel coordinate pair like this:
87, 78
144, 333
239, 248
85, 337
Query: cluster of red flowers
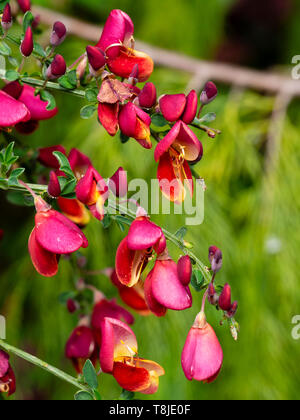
7, 377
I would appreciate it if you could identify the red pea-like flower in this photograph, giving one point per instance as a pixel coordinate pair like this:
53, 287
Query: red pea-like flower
74, 210
209, 93
7, 377
12, 111
57, 68
54, 189
116, 41
135, 250
184, 268
134, 297
59, 34
176, 107
80, 347
225, 298
97, 59
118, 183
79, 163
147, 97
135, 123
47, 158
165, 288
25, 5
26, 47
92, 191
6, 21
53, 235
117, 357
173, 153
202, 356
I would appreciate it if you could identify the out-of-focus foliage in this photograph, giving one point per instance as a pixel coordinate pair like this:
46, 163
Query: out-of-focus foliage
253, 216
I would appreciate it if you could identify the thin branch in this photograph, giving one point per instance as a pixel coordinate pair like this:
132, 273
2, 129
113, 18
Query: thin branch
203, 70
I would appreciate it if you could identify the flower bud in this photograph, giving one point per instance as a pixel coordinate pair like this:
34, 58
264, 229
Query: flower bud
24, 5
225, 298
212, 297
58, 35
209, 93
57, 68
184, 268
147, 97
72, 306
81, 68
118, 183
232, 311
216, 258
96, 59
134, 76
6, 21
27, 43
54, 189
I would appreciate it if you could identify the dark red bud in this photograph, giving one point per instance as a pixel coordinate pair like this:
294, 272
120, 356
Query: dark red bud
216, 258
6, 18
57, 68
232, 311
72, 306
1, 234
134, 76
225, 298
25, 5
27, 43
148, 96
54, 189
96, 58
59, 34
184, 269
209, 93
212, 296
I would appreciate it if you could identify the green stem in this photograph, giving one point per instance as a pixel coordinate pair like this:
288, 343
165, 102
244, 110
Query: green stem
43, 365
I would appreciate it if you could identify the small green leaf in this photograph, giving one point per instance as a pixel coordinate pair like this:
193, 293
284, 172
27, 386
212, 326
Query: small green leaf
27, 20
91, 95
97, 395
12, 75
90, 375
72, 78
9, 151
106, 222
158, 120
64, 164
87, 111
127, 395
39, 50
83, 396
4, 49
49, 98
13, 61
181, 233
18, 198
64, 82
197, 280
13, 179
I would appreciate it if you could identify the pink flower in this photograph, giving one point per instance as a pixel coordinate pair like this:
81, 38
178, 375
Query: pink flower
163, 288
80, 347
52, 236
135, 123
176, 107
173, 153
7, 377
202, 356
135, 250
116, 41
12, 111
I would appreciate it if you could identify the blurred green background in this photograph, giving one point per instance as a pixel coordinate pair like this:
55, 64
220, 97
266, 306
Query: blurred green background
251, 213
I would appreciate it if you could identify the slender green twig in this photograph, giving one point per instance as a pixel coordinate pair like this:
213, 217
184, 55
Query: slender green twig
43, 365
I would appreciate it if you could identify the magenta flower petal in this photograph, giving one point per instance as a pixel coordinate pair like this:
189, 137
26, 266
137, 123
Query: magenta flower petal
118, 183
184, 268
80, 346
54, 189
191, 108
143, 234
4, 363
154, 306
57, 234
127, 119
25, 5
46, 157
118, 28
45, 262
167, 288
27, 43
96, 57
202, 355
148, 96
109, 309
6, 20
12, 111
172, 106
225, 298
79, 162
117, 340
37, 107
